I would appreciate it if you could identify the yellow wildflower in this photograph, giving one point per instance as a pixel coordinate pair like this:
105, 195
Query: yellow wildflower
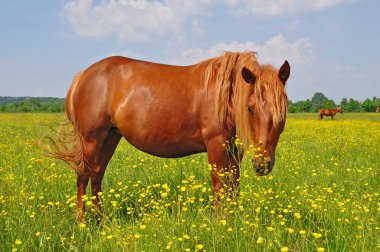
317, 235
260, 240
290, 230
270, 229
199, 246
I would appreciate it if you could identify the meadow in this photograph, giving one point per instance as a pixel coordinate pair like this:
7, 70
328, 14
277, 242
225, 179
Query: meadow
323, 194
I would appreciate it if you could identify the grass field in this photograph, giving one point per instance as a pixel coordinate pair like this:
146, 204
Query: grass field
323, 195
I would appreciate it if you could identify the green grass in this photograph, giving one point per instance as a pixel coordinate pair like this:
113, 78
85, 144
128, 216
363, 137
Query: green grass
323, 193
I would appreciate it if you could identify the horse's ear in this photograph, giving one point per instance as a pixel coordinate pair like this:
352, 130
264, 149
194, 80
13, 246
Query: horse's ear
248, 76
284, 72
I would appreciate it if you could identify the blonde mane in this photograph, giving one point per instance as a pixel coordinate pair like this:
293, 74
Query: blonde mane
230, 87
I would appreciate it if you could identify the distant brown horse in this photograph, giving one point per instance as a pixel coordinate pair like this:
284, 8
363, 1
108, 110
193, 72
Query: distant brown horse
378, 109
174, 111
329, 112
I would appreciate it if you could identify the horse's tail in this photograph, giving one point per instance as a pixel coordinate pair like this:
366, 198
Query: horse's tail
68, 145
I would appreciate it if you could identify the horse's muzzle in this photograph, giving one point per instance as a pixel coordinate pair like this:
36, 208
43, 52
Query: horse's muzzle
263, 166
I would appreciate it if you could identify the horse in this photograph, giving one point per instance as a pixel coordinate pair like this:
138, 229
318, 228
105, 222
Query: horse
378, 109
174, 111
329, 112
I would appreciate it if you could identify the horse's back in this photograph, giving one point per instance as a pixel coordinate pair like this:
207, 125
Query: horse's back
116, 82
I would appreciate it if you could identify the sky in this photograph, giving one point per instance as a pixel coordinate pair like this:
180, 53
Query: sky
333, 46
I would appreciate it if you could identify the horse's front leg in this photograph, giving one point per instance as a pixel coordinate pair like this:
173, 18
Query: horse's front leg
224, 167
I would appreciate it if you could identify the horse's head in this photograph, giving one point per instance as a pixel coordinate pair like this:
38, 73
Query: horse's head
267, 105
339, 110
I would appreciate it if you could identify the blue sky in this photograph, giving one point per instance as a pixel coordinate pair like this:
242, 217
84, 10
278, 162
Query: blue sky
333, 46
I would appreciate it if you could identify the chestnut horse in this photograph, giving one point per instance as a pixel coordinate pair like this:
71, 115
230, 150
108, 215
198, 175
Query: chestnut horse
174, 111
329, 112
378, 109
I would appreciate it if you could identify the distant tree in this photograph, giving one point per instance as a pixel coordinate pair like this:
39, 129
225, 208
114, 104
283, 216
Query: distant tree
291, 108
368, 106
35, 104
31, 104
317, 101
10, 107
376, 101
25, 107
301, 106
353, 106
329, 104
55, 107
307, 106
343, 103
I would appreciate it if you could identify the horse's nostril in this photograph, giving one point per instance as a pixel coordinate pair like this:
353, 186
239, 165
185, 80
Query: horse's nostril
263, 166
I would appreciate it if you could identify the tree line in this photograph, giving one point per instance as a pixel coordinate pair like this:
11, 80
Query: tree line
31, 104
319, 100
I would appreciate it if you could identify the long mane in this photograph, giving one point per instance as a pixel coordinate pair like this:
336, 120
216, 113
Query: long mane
232, 91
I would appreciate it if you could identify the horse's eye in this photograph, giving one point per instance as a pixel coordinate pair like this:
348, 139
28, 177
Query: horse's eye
250, 110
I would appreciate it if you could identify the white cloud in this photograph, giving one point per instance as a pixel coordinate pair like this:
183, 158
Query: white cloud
130, 19
283, 7
139, 20
273, 51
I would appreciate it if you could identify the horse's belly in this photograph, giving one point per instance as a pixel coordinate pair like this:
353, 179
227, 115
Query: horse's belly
168, 148
165, 140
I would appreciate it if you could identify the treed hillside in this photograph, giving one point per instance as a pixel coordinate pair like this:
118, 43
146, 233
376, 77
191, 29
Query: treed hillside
319, 100
31, 104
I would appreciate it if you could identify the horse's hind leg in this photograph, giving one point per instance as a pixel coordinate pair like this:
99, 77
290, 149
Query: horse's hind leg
99, 167
92, 143
82, 181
